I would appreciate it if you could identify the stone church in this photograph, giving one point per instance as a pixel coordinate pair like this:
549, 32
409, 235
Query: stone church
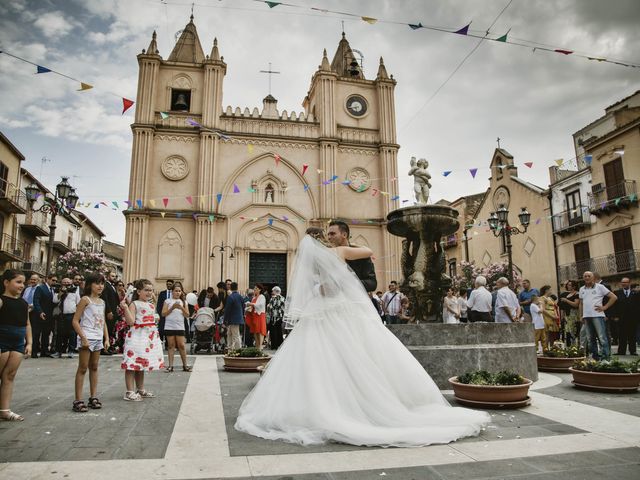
228, 192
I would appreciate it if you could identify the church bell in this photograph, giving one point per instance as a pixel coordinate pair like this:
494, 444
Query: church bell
181, 102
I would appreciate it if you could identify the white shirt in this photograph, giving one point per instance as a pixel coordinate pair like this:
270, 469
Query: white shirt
462, 306
175, 319
71, 301
480, 300
591, 298
391, 302
506, 298
536, 317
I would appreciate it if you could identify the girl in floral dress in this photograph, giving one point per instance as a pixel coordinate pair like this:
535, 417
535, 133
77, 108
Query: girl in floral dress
142, 345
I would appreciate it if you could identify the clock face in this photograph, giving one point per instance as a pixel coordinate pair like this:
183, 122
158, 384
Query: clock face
356, 105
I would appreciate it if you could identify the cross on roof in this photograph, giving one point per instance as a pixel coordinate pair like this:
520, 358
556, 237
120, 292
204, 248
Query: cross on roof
270, 72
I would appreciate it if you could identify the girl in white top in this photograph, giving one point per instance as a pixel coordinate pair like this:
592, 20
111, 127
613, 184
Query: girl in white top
89, 323
174, 311
451, 310
538, 323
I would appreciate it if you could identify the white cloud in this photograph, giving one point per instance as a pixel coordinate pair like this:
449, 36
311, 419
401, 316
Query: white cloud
54, 24
12, 123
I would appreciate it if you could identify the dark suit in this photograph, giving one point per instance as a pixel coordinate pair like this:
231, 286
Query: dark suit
626, 310
366, 272
162, 296
41, 329
111, 301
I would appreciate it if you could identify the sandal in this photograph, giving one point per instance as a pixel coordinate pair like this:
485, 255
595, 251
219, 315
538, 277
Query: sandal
79, 406
11, 416
145, 394
186, 368
169, 369
130, 396
94, 403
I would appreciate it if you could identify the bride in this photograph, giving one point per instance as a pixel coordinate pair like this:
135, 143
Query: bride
341, 375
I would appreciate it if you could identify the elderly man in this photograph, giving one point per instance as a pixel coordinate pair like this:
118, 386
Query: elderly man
507, 305
592, 308
479, 302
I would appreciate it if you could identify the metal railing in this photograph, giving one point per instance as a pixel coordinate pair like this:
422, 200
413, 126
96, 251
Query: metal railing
612, 264
11, 246
612, 195
33, 264
8, 191
571, 218
38, 219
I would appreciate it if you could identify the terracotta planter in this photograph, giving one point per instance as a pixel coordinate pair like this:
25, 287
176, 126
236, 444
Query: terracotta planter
605, 382
491, 396
244, 364
556, 364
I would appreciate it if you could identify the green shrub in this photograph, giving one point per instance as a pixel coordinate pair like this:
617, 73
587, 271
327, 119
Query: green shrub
482, 377
608, 366
247, 352
560, 351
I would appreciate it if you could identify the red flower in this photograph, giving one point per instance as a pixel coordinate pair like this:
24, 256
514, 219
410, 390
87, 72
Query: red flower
123, 365
143, 311
150, 368
129, 335
151, 335
161, 365
136, 367
130, 353
150, 346
146, 350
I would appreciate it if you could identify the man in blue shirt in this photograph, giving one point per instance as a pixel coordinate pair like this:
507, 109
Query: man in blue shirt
525, 298
234, 317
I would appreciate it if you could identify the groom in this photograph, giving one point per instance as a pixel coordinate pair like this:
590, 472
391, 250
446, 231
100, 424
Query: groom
338, 234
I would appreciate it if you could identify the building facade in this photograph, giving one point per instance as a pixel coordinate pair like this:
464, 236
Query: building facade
605, 231
228, 193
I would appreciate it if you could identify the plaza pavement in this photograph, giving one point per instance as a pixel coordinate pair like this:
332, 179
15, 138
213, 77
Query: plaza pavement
187, 433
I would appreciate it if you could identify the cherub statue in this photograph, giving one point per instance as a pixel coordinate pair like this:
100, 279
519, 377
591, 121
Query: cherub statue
421, 177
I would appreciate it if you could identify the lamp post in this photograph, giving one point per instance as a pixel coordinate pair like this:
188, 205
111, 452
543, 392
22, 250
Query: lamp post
64, 197
499, 225
222, 248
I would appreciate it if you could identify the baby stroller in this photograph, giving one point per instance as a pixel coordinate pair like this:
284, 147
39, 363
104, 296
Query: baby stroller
203, 330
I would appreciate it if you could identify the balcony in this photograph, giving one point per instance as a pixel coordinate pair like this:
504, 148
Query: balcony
571, 221
61, 247
616, 263
35, 224
11, 249
449, 241
33, 265
612, 198
12, 200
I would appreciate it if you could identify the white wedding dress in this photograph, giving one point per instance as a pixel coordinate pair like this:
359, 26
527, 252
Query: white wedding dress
342, 376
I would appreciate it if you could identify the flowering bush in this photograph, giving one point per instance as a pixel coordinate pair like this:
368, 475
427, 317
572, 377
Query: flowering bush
491, 272
247, 352
608, 366
482, 377
561, 351
77, 262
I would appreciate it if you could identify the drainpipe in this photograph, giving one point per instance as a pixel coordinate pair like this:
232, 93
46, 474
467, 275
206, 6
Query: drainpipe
555, 246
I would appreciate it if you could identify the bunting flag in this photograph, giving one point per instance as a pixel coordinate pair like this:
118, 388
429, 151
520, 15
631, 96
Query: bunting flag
618, 201
126, 104
162, 214
633, 197
397, 197
235, 188
164, 115
446, 173
273, 4
285, 218
250, 148
277, 157
304, 168
334, 178
152, 203
564, 52
588, 159
41, 69
464, 30
139, 203
413, 26
473, 172
97, 205
211, 218
374, 192
193, 123
179, 215
346, 182
115, 204
252, 190
538, 221
165, 201
306, 187
270, 221
319, 171
361, 188
559, 162
221, 135
189, 199
195, 216
84, 86
219, 197
369, 20
528, 164
503, 38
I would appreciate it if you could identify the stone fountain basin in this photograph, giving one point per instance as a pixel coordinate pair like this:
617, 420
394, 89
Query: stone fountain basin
408, 221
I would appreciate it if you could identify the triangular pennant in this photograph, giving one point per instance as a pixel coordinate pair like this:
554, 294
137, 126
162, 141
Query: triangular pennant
346, 182
212, 218
270, 221
189, 199
285, 218
219, 197
319, 171
334, 178
40, 69
250, 148
528, 164
162, 214
97, 205
397, 197
115, 204
588, 159
152, 203
84, 86
559, 162
223, 136
633, 197
464, 30
251, 190
272, 4
126, 104
503, 38
139, 203
413, 26
304, 168
165, 202
446, 173
564, 52
306, 187
193, 123
164, 115
618, 201
374, 192
473, 172
369, 20
538, 221
277, 157
235, 188
195, 216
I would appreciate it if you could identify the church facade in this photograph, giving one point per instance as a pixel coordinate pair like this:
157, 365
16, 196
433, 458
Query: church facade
228, 192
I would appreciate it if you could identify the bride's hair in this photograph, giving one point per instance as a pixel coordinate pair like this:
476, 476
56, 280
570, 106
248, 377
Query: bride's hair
318, 234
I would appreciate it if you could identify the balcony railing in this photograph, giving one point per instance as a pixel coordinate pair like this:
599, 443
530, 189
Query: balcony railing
449, 241
11, 249
35, 224
12, 200
571, 220
621, 262
613, 197
33, 265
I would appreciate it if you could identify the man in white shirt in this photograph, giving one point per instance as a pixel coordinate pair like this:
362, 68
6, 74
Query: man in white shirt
391, 303
592, 313
507, 305
479, 302
69, 299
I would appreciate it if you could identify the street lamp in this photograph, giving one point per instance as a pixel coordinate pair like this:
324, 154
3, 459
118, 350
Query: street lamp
499, 225
64, 198
222, 248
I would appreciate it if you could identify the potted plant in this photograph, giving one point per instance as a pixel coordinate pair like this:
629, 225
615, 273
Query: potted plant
245, 360
606, 375
559, 358
491, 390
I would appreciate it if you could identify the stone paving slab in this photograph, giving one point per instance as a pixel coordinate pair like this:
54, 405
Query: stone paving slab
120, 430
507, 425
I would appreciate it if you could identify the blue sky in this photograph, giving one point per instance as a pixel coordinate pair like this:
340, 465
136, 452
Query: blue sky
533, 101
